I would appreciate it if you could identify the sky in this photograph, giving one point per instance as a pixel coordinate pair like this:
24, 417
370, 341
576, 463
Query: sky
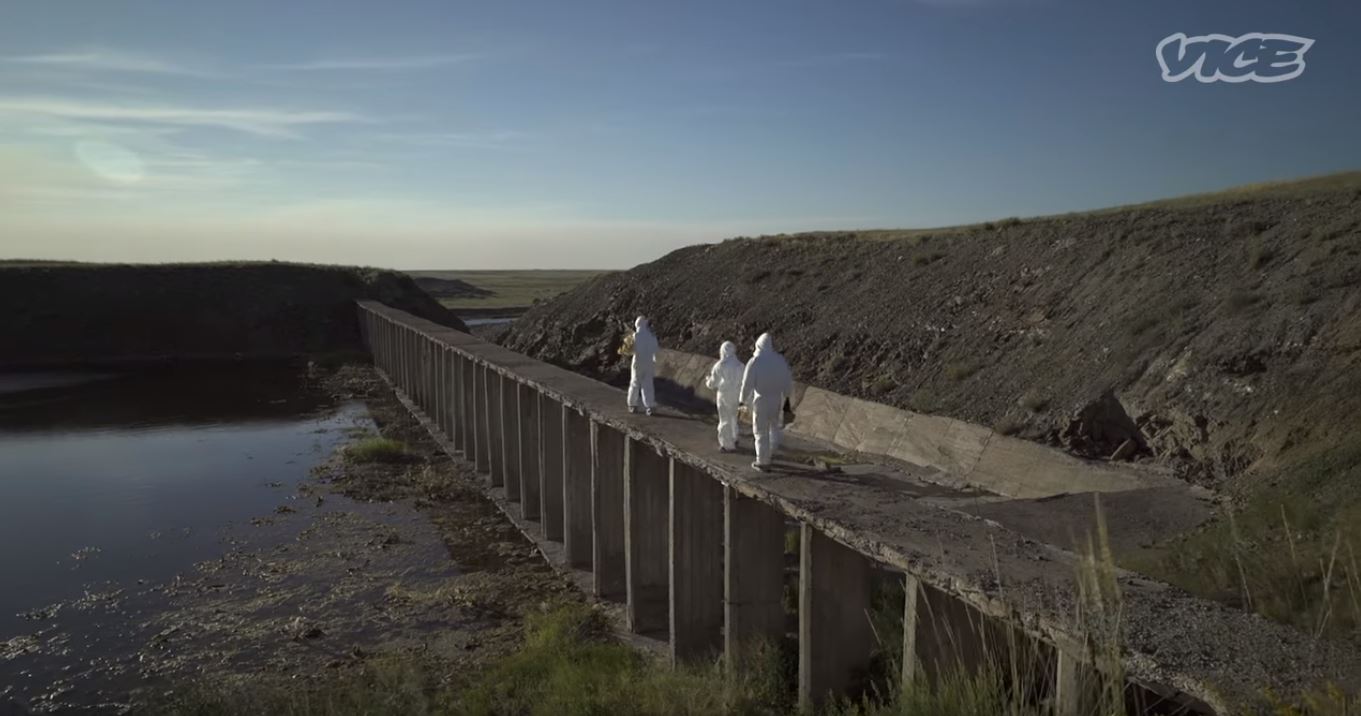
547, 134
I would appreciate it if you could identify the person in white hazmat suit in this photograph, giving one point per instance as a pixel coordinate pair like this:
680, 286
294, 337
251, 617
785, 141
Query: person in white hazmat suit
725, 379
766, 383
643, 368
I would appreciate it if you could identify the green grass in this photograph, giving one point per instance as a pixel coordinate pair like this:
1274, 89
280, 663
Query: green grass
1345, 181
1291, 552
569, 665
376, 449
511, 289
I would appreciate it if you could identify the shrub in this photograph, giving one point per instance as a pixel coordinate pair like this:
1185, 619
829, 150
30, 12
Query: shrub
1034, 401
926, 258
1009, 425
960, 370
376, 449
1259, 254
1242, 300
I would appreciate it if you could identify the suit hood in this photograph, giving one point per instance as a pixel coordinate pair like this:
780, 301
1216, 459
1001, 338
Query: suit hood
765, 343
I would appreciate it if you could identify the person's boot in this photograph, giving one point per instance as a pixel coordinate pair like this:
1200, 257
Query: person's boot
633, 409
759, 467
649, 411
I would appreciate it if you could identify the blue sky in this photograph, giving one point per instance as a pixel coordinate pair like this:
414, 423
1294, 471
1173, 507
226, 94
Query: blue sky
541, 134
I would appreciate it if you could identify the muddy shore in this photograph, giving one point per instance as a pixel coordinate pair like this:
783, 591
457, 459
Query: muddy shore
395, 560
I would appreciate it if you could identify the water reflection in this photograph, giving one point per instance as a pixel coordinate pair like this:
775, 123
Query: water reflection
131, 477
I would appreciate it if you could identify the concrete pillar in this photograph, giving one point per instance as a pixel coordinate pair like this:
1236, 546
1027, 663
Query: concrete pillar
753, 575
420, 354
459, 417
404, 356
446, 389
450, 392
441, 383
470, 412
607, 511
428, 379
1076, 688
389, 349
551, 460
696, 577
528, 430
646, 553
576, 488
478, 412
491, 398
426, 369
374, 336
379, 341
409, 348
835, 636
510, 437
402, 366
912, 601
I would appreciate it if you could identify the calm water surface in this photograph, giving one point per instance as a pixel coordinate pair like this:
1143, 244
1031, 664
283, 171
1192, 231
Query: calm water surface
108, 479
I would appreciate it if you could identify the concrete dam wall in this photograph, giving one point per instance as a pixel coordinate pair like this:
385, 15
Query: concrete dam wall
690, 542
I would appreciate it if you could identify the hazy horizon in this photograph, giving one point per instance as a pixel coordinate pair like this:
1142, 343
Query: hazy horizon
595, 135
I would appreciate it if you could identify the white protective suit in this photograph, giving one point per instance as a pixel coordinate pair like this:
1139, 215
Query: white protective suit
725, 379
766, 383
644, 367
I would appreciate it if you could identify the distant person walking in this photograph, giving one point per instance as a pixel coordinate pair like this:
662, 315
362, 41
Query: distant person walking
725, 379
766, 383
643, 367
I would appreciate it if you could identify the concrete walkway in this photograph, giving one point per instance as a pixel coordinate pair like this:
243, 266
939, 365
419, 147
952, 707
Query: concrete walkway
1134, 518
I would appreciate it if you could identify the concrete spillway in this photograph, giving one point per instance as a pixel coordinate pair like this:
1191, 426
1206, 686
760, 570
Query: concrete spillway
690, 541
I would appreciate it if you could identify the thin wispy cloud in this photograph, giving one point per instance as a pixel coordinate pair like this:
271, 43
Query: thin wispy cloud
421, 62
836, 58
256, 121
503, 139
104, 61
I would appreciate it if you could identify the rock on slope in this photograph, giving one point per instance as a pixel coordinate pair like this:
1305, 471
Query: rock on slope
1213, 333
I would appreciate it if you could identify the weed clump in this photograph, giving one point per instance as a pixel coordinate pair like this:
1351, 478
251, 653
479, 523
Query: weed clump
960, 370
376, 449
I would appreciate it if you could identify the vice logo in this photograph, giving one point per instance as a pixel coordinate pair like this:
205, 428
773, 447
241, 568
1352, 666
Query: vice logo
1255, 57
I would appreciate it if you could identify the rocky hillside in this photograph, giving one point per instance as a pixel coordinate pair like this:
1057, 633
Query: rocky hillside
1217, 332
57, 313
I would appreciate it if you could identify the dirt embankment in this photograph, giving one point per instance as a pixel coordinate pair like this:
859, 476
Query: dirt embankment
450, 288
89, 313
1214, 334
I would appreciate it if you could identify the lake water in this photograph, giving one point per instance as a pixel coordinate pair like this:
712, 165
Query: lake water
108, 479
